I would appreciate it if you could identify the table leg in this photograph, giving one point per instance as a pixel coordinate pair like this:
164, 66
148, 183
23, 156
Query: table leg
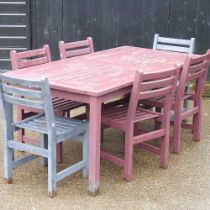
94, 145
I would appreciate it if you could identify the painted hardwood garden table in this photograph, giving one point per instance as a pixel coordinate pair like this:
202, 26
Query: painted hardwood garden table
96, 78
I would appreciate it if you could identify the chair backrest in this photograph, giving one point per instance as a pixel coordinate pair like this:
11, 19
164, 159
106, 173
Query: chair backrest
28, 93
160, 84
72, 49
176, 45
30, 57
194, 69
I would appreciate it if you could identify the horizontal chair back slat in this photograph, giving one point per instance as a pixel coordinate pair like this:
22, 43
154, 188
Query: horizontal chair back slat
198, 67
175, 45
17, 81
78, 44
23, 102
77, 52
30, 58
20, 91
172, 48
196, 75
150, 85
174, 41
72, 49
155, 93
34, 62
31, 53
199, 59
162, 74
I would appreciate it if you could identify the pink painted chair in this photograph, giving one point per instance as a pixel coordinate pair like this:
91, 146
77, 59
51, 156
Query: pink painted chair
61, 106
194, 70
124, 117
72, 49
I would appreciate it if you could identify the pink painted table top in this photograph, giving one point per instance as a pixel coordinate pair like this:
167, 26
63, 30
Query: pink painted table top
101, 72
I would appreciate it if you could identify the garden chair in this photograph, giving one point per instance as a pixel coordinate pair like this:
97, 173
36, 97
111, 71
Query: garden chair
36, 94
61, 106
124, 117
194, 70
72, 49
176, 45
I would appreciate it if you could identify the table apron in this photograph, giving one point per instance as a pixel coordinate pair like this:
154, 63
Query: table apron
71, 96
86, 98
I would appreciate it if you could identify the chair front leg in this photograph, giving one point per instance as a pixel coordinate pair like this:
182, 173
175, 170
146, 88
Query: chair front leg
164, 150
8, 156
85, 151
177, 132
197, 116
128, 159
197, 126
51, 166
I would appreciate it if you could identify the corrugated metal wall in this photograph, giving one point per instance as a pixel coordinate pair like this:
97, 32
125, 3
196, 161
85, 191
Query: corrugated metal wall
14, 29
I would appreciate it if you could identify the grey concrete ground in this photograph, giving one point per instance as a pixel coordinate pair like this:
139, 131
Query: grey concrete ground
184, 185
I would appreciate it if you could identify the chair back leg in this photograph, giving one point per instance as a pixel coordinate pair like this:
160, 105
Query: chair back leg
85, 153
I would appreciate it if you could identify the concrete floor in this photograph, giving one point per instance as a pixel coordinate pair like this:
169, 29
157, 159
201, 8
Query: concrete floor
184, 185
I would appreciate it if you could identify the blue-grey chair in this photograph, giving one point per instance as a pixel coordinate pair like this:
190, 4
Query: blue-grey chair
175, 45
36, 94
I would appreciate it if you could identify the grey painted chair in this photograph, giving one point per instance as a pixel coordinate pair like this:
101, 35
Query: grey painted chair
175, 45
36, 94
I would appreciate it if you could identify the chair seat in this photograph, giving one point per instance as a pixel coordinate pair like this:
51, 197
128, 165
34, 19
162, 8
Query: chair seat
65, 127
118, 115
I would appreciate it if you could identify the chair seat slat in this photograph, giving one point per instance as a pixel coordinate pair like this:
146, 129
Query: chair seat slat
33, 127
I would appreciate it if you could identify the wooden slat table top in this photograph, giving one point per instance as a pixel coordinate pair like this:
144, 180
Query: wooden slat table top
101, 72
